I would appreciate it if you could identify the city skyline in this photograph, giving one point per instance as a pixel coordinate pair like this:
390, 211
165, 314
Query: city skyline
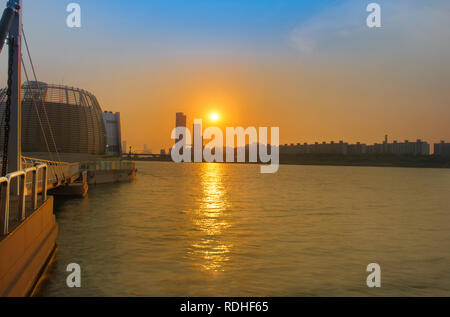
106, 100
183, 121
313, 69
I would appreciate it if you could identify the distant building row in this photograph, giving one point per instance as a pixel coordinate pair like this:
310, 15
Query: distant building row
442, 149
397, 148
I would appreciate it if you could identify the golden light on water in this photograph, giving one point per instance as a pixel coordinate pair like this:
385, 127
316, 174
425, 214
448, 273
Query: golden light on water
210, 220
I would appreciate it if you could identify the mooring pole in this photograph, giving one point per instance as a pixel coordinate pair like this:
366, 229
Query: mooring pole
14, 144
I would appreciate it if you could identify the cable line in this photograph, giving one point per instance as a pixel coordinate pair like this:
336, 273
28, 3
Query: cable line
40, 95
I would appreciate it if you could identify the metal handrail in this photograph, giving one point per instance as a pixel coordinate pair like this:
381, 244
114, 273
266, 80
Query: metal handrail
34, 185
5, 193
106, 165
58, 170
43, 167
4, 212
20, 175
35, 160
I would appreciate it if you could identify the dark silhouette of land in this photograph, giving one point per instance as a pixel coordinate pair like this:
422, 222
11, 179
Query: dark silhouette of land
372, 159
424, 161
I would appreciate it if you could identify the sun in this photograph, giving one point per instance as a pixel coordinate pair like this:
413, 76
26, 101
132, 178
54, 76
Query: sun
214, 117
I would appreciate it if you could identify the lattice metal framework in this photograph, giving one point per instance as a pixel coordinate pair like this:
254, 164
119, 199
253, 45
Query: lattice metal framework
74, 116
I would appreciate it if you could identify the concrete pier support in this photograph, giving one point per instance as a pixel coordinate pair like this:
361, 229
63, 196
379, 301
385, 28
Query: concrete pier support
79, 188
75, 189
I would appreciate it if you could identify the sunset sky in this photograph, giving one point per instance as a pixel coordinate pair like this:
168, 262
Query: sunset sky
313, 68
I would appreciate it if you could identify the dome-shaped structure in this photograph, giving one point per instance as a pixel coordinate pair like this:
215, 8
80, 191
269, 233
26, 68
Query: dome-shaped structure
74, 115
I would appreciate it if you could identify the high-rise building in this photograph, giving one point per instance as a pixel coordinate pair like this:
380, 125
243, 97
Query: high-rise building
124, 146
401, 148
398, 148
197, 143
180, 122
113, 133
442, 149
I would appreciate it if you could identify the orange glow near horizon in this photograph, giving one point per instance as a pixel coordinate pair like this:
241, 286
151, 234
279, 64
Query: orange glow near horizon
349, 110
314, 75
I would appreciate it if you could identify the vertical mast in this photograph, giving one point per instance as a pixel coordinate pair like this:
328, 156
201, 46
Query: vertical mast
14, 144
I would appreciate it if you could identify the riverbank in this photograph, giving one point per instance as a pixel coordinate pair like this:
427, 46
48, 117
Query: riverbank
373, 160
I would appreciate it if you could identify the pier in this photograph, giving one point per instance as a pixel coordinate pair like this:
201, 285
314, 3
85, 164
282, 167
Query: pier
62, 131
28, 228
146, 157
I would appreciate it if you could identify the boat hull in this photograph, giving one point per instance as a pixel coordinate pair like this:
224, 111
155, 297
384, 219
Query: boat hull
24, 253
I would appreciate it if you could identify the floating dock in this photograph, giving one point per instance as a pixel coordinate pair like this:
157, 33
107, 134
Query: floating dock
28, 228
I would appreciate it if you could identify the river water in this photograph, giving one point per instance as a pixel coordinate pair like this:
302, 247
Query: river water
227, 230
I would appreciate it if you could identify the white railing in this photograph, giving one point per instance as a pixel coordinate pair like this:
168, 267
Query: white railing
111, 165
57, 171
5, 193
20, 176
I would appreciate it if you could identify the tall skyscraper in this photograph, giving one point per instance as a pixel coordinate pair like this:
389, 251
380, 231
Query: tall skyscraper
113, 132
180, 122
197, 142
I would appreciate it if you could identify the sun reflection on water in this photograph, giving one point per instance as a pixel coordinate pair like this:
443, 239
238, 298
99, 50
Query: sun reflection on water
210, 219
